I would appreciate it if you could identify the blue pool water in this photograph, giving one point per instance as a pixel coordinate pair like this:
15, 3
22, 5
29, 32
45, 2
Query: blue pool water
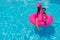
15, 24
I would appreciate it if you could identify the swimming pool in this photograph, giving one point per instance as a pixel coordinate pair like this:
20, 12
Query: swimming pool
15, 24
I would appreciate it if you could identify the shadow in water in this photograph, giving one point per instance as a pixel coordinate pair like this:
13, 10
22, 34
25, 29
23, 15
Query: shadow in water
45, 31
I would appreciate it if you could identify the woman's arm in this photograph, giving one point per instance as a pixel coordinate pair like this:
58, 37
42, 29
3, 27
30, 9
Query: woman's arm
45, 20
37, 23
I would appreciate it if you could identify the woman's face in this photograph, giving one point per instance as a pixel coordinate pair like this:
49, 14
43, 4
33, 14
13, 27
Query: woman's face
44, 10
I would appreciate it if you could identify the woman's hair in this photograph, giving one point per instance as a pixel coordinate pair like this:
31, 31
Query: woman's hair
44, 8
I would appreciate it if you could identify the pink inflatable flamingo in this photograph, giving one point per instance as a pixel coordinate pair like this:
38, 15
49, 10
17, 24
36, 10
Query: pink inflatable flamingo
49, 19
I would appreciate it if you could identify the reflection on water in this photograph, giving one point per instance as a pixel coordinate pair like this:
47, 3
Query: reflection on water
45, 31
